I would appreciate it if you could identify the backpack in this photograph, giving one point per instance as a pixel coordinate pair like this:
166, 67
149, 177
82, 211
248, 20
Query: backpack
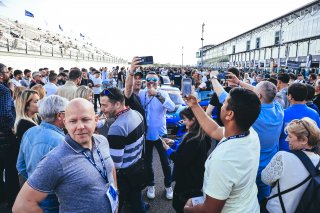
310, 200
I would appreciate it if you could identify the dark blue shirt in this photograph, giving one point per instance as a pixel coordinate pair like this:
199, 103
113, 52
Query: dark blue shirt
7, 109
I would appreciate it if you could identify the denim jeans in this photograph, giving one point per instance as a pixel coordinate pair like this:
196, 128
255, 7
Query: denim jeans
9, 148
50, 204
163, 159
129, 196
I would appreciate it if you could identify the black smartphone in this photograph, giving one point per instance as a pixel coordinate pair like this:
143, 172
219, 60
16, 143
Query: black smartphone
186, 86
146, 60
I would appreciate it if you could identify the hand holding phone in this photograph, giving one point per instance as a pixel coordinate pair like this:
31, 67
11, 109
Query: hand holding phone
186, 86
146, 60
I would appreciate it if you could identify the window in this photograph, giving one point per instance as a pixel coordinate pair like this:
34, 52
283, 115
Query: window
248, 45
233, 49
277, 38
257, 43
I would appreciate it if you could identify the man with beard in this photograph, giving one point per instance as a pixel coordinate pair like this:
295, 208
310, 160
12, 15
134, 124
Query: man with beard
9, 186
125, 136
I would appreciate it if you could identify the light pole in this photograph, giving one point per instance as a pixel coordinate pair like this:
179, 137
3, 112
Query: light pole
182, 59
201, 52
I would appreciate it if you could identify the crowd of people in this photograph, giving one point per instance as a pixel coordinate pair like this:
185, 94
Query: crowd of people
82, 140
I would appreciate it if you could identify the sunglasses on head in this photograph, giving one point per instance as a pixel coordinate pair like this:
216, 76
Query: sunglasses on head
154, 79
108, 93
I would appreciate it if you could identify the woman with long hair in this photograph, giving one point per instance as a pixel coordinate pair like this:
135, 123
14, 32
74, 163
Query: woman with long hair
40, 89
189, 159
286, 170
26, 112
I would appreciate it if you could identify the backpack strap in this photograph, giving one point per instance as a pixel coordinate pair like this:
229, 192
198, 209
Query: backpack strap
307, 162
280, 199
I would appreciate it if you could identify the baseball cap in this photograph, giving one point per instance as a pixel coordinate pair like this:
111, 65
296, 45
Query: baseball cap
138, 74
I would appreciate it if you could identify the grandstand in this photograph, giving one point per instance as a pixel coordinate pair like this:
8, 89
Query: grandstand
16, 37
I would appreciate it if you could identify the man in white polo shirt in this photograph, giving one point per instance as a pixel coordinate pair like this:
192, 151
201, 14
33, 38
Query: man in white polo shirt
231, 169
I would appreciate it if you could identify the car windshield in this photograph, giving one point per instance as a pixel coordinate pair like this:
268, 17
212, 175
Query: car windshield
204, 95
175, 96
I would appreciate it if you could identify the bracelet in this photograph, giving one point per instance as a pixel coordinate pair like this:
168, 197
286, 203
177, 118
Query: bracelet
238, 83
132, 74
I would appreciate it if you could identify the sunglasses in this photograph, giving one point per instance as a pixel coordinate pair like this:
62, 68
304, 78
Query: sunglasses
154, 79
107, 93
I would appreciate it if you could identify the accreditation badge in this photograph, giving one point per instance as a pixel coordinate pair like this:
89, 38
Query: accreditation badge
113, 197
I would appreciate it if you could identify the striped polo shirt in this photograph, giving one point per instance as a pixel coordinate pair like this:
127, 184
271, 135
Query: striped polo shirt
126, 137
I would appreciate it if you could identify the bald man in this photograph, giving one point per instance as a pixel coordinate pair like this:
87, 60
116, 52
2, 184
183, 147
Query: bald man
80, 171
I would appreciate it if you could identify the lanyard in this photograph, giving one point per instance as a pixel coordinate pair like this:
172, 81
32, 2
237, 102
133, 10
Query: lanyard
104, 173
145, 100
242, 135
123, 111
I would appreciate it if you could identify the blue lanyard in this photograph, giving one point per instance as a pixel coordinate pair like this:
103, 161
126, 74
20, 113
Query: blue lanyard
104, 173
242, 135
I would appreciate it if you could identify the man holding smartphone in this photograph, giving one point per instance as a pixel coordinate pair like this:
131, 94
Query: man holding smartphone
156, 103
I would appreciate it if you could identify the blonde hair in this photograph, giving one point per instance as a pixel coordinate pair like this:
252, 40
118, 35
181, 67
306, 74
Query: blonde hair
22, 104
17, 91
305, 127
83, 92
40, 89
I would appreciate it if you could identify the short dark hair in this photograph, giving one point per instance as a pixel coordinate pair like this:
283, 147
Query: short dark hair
284, 77
273, 80
313, 76
114, 94
310, 92
52, 76
234, 71
17, 72
246, 107
298, 91
74, 73
62, 74
26, 71
2, 68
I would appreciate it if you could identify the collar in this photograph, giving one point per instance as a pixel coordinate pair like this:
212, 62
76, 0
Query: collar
70, 83
298, 105
271, 105
77, 148
52, 127
122, 112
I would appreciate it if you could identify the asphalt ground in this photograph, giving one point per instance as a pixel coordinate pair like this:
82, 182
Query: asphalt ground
160, 204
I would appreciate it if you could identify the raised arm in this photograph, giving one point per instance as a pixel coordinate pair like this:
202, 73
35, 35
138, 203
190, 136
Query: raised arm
233, 78
128, 89
208, 125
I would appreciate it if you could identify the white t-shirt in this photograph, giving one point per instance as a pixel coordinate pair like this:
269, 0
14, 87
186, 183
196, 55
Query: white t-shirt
96, 90
231, 171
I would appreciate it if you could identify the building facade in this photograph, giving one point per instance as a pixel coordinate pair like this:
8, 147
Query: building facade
291, 41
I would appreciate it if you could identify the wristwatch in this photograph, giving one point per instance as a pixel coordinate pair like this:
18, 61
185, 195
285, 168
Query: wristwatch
214, 77
158, 95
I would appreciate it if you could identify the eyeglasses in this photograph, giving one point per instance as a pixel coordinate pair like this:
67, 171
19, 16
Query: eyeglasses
154, 79
107, 93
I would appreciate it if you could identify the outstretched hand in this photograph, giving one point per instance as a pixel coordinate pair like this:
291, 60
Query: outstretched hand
232, 78
191, 100
134, 64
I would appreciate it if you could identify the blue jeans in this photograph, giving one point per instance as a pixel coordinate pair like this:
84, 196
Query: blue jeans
129, 196
50, 204
163, 159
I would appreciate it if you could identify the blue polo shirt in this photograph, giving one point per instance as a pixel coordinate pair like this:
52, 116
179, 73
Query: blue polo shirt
296, 111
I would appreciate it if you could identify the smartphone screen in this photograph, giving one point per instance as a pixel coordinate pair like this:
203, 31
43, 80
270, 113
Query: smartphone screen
146, 60
186, 86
